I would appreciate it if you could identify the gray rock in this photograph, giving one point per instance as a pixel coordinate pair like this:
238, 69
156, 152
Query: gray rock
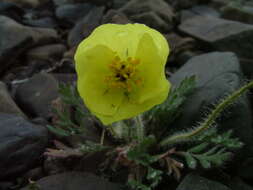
199, 11
22, 145
11, 10
7, 103
238, 13
73, 12
196, 182
219, 3
66, 78
16, 38
222, 34
119, 3
85, 26
75, 181
6, 185
47, 52
36, 95
157, 14
62, 2
28, 3
218, 74
182, 4
245, 169
45, 22
113, 16
238, 184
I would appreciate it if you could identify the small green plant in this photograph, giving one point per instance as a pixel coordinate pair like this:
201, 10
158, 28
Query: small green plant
68, 112
144, 145
33, 185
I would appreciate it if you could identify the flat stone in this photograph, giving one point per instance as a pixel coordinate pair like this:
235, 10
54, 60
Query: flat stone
116, 17
199, 10
16, 38
36, 95
7, 103
196, 182
222, 34
218, 74
28, 3
219, 3
119, 3
11, 10
45, 22
245, 168
238, 13
239, 184
157, 14
62, 2
85, 26
47, 52
75, 181
66, 78
73, 12
20, 140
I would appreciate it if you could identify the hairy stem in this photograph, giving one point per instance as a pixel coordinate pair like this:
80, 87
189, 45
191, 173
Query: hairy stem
102, 138
209, 120
140, 128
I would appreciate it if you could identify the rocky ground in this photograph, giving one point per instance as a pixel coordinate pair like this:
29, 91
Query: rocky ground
212, 39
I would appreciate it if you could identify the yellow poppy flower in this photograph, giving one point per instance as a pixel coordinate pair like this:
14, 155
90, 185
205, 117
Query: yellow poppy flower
121, 71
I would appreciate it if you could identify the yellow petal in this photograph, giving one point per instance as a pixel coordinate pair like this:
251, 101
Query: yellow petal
124, 39
92, 69
151, 70
128, 110
97, 51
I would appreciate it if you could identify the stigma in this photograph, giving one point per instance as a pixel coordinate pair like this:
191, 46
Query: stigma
124, 74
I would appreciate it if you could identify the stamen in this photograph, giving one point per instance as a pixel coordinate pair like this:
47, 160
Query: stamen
124, 74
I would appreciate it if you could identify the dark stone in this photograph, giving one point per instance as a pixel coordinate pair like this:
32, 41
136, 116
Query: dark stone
7, 103
238, 184
157, 14
75, 181
34, 174
16, 38
62, 2
22, 145
11, 10
13, 40
199, 11
67, 78
196, 182
181, 4
47, 52
218, 74
25, 3
245, 169
73, 12
116, 17
107, 3
36, 95
85, 26
221, 34
28, 3
247, 67
46, 22
119, 3
219, 3
6, 185
238, 13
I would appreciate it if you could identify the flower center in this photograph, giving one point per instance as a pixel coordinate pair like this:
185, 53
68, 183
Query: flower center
123, 74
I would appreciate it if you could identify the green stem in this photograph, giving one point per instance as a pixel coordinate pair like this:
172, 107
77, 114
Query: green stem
140, 128
209, 120
102, 137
